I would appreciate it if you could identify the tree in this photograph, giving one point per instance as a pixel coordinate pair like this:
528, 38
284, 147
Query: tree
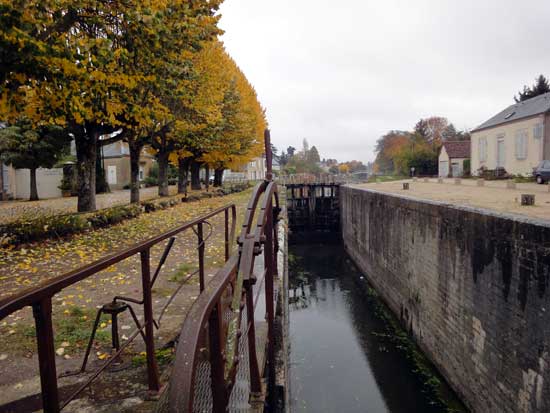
313, 155
540, 87
449, 133
436, 125
305, 147
25, 146
291, 150
421, 128
88, 73
343, 168
387, 147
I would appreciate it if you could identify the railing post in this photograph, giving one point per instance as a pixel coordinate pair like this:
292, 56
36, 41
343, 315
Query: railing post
226, 222
216, 360
152, 368
255, 379
269, 296
42, 312
200, 238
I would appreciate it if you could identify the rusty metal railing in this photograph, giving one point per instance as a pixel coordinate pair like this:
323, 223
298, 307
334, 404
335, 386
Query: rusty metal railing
40, 299
210, 351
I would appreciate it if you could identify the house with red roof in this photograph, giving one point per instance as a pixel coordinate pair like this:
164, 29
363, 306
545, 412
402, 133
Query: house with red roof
452, 157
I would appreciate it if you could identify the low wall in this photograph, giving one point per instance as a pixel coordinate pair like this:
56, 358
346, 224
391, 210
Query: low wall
470, 285
47, 182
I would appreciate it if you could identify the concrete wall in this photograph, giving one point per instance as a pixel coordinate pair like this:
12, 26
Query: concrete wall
471, 286
47, 181
535, 147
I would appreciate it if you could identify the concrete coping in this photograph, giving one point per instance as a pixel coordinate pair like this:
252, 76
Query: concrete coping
485, 211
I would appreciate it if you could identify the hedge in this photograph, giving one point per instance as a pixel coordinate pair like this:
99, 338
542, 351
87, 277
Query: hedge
21, 231
29, 230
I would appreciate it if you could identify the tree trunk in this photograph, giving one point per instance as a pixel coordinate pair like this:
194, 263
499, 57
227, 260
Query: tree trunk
135, 152
183, 172
207, 176
86, 154
195, 175
34, 189
218, 176
162, 158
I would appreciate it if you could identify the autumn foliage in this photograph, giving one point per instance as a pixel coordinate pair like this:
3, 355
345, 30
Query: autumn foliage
399, 151
150, 72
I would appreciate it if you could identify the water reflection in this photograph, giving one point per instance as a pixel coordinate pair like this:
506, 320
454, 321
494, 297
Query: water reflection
337, 363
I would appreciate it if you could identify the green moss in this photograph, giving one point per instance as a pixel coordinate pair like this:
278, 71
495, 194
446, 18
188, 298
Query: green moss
72, 326
433, 387
181, 272
164, 356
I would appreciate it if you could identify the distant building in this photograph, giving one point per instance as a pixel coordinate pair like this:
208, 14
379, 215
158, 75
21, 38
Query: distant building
116, 158
276, 164
452, 157
515, 139
255, 169
16, 182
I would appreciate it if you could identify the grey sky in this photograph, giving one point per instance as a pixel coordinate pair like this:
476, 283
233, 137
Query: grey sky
341, 74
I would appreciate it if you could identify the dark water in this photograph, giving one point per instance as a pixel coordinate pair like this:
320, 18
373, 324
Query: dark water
342, 356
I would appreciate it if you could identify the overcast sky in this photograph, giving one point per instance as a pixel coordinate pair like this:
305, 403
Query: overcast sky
342, 73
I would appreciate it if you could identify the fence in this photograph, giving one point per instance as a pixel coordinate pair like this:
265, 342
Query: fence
218, 339
40, 299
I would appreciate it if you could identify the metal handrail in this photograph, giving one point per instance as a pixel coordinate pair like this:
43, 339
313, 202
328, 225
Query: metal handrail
206, 313
40, 298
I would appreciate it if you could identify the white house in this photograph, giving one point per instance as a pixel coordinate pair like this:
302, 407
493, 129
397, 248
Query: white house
515, 139
452, 157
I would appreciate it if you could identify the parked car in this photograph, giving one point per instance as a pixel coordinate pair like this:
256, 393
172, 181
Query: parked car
542, 172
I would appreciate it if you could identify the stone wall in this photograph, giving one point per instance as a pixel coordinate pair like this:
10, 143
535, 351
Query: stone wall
471, 286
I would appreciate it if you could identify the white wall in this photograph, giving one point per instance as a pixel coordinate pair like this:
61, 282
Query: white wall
47, 181
511, 163
444, 165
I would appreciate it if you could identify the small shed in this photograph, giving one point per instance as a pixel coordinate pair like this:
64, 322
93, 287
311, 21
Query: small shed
452, 157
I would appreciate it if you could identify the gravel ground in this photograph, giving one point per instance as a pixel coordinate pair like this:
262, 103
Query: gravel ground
12, 210
493, 195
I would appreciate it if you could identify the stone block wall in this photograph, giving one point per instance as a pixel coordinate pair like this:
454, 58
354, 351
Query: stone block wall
471, 286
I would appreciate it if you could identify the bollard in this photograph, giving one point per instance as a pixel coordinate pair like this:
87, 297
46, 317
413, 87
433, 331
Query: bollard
527, 199
405, 185
480, 182
510, 185
439, 180
458, 181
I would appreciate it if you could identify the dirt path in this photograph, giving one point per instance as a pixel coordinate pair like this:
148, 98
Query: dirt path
12, 210
493, 195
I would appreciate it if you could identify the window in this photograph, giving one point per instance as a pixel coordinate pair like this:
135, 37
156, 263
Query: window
482, 149
521, 143
537, 131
